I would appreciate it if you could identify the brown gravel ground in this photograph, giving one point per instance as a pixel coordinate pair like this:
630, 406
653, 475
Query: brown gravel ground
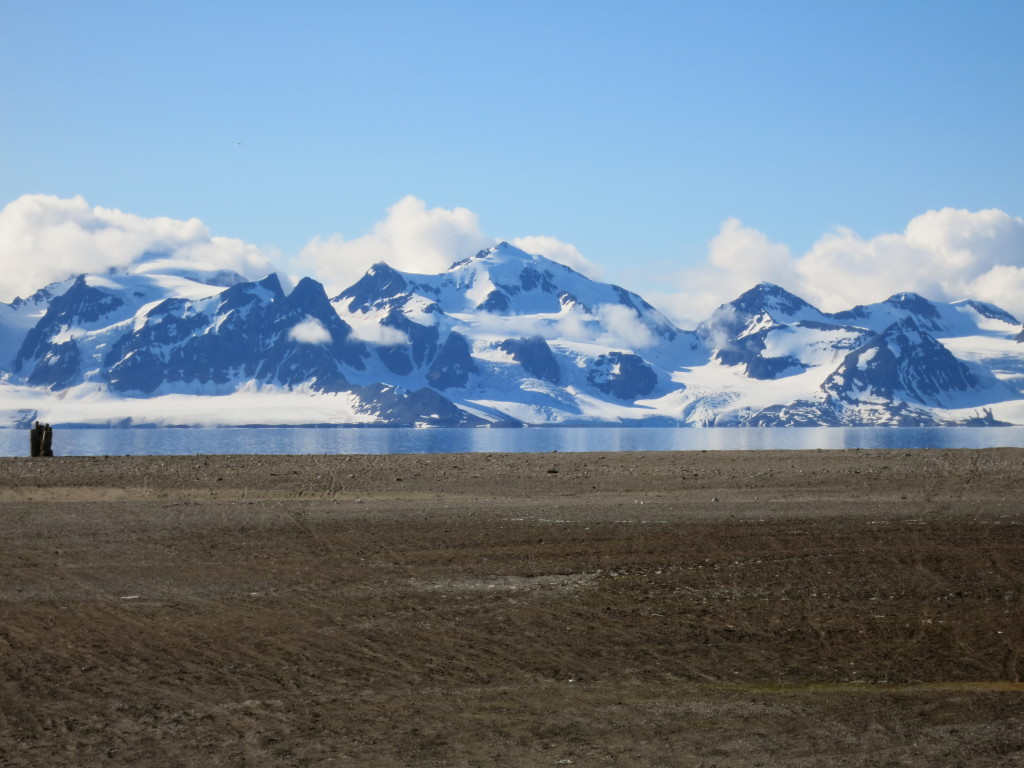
796, 608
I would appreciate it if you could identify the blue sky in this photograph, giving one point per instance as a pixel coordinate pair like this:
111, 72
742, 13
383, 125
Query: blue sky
633, 131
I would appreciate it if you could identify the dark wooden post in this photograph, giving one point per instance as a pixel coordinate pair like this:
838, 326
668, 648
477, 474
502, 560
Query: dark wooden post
47, 440
35, 439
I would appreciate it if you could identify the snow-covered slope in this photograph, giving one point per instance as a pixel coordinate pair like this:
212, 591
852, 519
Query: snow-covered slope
501, 338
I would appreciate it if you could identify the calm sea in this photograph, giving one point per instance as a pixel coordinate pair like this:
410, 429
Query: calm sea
293, 440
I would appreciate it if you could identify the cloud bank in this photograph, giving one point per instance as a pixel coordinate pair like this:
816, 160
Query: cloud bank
412, 238
943, 255
44, 238
421, 240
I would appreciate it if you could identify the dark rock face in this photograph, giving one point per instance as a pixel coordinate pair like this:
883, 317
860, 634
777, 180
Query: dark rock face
453, 365
622, 375
531, 279
379, 284
748, 351
903, 363
535, 356
58, 362
39, 297
759, 367
992, 312
420, 349
915, 305
496, 301
143, 360
290, 360
58, 367
245, 295
396, 359
252, 332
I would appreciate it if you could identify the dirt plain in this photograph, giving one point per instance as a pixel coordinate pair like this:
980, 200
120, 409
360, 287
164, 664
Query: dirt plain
798, 608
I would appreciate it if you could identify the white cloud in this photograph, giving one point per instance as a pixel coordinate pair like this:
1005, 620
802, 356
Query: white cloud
510, 326
842, 270
44, 238
564, 253
1003, 286
310, 331
611, 325
944, 255
746, 251
624, 328
368, 328
421, 240
412, 238
739, 257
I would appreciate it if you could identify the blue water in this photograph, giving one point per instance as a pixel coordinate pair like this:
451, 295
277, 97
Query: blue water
292, 440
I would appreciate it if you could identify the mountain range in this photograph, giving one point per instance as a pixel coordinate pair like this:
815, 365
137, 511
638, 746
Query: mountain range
504, 338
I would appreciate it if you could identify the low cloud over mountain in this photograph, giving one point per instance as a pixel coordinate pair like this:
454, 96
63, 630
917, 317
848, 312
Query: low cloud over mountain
945, 255
44, 238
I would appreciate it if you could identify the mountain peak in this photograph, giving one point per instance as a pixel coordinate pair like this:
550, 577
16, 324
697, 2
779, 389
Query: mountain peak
913, 302
380, 282
501, 253
772, 299
272, 283
308, 292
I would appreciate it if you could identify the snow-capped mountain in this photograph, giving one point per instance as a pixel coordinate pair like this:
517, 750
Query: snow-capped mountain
902, 376
774, 334
513, 335
501, 338
886, 363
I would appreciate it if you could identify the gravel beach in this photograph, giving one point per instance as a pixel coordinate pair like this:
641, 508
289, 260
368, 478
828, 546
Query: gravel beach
800, 608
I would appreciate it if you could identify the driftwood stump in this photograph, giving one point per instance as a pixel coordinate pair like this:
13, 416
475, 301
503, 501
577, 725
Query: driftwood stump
40, 440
